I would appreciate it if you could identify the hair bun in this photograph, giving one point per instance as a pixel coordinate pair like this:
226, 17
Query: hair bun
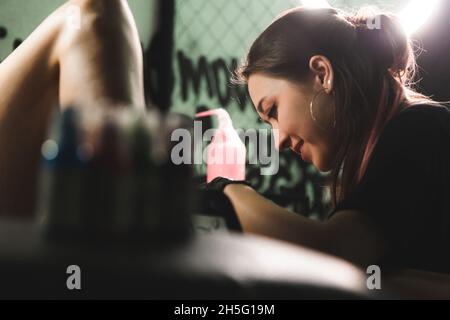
382, 36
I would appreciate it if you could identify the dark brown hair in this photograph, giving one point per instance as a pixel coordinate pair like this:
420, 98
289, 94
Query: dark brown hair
374, 66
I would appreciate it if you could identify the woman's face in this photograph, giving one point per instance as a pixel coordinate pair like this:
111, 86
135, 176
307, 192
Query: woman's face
285, 105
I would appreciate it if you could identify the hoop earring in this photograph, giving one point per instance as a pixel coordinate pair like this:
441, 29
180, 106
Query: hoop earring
311, 107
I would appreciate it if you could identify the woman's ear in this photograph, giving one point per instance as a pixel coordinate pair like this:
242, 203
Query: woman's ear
322, 71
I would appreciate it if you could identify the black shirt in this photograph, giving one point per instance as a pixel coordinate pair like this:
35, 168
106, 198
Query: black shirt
406, 189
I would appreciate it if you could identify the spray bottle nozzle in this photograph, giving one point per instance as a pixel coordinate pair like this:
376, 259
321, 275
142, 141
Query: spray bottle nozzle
222, 114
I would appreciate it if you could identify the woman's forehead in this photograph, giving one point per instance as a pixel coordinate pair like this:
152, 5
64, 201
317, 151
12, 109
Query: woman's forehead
263, 84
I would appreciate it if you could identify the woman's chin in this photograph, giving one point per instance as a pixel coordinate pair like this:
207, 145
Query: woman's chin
319, 162
321, 165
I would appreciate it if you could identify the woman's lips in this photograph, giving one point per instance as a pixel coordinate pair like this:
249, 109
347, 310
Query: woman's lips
299, 150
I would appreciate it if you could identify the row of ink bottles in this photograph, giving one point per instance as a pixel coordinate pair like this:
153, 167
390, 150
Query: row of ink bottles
108, 176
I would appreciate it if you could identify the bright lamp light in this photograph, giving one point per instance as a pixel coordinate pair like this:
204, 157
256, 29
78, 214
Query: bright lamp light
413, 16
416, 14
316, 3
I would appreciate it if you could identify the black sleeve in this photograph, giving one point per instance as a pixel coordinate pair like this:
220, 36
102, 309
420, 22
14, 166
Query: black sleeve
399, 182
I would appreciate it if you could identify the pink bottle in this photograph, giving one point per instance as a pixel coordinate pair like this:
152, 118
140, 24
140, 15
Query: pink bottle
226, 152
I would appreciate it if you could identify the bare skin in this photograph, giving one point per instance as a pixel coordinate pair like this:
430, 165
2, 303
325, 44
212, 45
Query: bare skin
61, 65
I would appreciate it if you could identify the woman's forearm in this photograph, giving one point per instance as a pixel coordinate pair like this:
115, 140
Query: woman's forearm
418, 284
261, 216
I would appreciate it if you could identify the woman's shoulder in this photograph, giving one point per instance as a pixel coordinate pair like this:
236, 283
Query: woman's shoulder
418, 133
423, 119
426, 110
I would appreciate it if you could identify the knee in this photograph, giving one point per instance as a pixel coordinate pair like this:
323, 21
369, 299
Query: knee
97, 5
100, 19
102, 12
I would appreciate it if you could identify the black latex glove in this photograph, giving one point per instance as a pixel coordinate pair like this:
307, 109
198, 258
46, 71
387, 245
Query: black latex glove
215, 202
219, 184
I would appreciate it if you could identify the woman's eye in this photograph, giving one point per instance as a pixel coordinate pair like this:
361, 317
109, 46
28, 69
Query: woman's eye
273, 112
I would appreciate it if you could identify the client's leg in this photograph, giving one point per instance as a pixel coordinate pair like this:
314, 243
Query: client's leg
99, 63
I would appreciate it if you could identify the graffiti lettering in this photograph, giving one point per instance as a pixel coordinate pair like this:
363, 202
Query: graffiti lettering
214, 75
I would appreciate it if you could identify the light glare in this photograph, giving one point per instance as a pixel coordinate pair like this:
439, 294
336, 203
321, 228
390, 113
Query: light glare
316, 3
416, 14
